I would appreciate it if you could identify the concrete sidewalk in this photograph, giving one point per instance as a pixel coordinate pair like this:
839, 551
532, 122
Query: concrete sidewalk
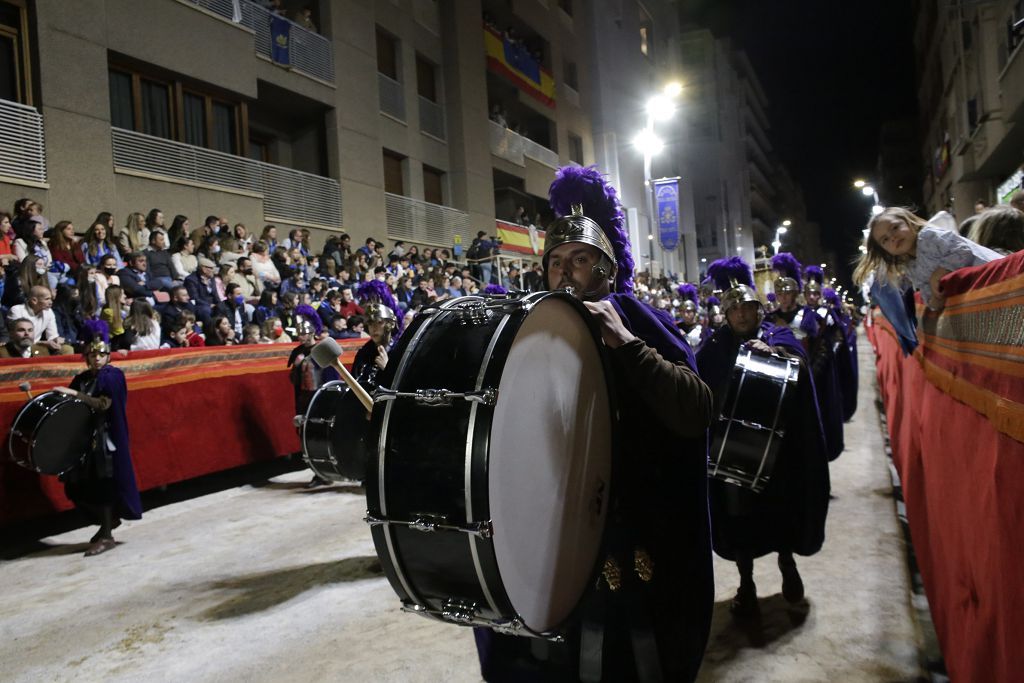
276, 583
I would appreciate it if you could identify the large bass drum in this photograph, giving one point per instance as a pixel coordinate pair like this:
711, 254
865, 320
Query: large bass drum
334, 432
489, 479
757, 409
52, 433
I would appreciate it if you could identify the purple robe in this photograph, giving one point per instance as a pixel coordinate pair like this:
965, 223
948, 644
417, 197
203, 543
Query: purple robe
790, 514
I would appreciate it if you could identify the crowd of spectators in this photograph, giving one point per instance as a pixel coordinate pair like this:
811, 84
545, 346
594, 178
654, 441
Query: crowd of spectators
169, 284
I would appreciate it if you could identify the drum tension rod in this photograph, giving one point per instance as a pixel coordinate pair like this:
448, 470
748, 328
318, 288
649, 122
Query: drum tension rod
437, 398
429, 524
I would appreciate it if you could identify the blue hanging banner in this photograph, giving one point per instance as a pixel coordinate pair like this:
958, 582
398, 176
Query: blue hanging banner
280, 37
666, 199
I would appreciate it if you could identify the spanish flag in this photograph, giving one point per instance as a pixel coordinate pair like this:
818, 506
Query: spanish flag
517, 239
515, 63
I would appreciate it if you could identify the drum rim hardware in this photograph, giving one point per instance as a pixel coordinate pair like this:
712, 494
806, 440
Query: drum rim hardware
464, 613
438, 397
428, 523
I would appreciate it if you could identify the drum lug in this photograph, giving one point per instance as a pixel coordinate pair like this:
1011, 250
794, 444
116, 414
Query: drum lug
473, 312
463, 612
431, 523
459, 611
438, 398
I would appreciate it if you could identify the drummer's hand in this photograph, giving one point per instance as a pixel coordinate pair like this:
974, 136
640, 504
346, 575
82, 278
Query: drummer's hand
382, 357
758, 345
613, 331
66, 390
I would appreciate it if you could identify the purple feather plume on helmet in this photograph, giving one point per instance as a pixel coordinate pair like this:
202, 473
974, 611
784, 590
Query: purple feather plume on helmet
495, 289
96, 329
310, 314
688, 292
713, 301
832, 296
771, 297
586, 186
378, 290
786, 265
725, 270
815, 273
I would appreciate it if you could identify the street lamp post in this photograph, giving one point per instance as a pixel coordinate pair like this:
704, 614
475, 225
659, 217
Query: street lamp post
659, 108
779, 232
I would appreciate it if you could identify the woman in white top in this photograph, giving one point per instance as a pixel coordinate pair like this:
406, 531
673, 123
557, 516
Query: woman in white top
183, 260
30, 240
262, 267
145, 323
106, 276
134, 236
242, 238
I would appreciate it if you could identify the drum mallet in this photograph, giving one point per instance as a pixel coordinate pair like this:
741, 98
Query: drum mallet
27, 388
327, 353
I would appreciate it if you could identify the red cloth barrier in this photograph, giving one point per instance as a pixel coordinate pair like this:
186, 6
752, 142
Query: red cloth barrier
963, 484
190, 412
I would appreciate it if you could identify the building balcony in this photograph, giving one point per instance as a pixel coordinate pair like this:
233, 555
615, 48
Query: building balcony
432, 118
289, 196
22, 147
415, 220
513, 147
309, 52
392, 98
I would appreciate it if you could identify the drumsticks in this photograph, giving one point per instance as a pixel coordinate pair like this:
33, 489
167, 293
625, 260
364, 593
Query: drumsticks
328, 353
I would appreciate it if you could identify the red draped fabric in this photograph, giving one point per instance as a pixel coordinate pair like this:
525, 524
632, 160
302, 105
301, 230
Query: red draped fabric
952, 410
190, 412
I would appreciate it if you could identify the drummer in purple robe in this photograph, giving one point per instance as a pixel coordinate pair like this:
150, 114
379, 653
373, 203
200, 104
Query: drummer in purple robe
648, 614
103, 485
788, 517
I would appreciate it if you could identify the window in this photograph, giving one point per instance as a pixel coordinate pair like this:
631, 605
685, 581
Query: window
394, 180
15, 70
576, 149
570, 75
259, 149
156, 108
433, 185
225, 131
122, 110
426, 79
195, 119
387, 55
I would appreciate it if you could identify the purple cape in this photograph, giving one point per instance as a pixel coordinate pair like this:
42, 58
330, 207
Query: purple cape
790, 514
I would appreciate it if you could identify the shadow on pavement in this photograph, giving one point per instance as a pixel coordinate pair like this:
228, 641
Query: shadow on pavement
778, 622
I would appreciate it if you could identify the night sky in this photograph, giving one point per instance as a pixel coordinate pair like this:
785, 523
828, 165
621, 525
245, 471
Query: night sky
833, 71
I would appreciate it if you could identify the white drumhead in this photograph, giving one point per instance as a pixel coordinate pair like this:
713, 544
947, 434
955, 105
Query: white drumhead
550, 464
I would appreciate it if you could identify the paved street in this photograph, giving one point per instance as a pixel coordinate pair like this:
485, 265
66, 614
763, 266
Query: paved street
272, 582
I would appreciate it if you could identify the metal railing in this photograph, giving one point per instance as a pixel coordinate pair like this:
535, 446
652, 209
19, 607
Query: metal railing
422, 222
392, 98
22, 147
432, 118
513, 147
288, 195
308, 51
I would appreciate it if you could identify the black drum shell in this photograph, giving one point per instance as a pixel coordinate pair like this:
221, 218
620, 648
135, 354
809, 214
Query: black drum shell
52, 433
334, 434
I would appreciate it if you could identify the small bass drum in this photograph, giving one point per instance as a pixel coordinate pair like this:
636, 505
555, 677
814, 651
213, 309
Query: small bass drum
755, 414
489, 478
52, 433
334, 432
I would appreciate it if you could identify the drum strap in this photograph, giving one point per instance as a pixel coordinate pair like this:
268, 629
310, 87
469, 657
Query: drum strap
595, 611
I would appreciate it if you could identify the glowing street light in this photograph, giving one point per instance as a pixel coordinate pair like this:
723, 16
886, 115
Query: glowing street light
877, 209
786, 223
661, 107
867, 190
673, 89
859, 184
648, 144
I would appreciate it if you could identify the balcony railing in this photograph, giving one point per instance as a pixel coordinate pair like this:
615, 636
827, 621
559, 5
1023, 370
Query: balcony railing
392, 98
514, 147
432, 118
422, 222
288, 195
309, 52
22, 148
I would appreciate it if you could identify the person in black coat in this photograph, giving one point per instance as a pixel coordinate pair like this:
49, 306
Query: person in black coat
202, 290
160, 272
134, 277
233, 308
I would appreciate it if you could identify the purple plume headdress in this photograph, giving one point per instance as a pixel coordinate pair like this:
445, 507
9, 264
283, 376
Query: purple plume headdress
96, 329
771, 297
587, 187
688, 292
309, 314
832, 296
495, 289
815, 274
726, 270
377, 291
786, 265
713, 301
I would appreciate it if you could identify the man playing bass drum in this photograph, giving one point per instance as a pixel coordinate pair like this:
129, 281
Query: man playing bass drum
789, 515
647, 618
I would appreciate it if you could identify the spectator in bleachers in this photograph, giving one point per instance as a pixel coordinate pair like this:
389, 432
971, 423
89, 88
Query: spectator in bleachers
262, 265
177, 336
89, 297
232, 307
194, 338
246, 279
135, 235
242, 238
225, 272
266, 308
1000, 228
202, 290
210, 228
180, 227
19, 280
230, 252
210, 248
330, 307
106, 274
269, 236
294, 284
358, 267
98, 243
67, 314
357, 327
64, 246
159, 261
273, 330
221, 332
403, 293
282, 262
180, 303
30, 241
37, 310
286, 305
20, 345
338, 328
106, 219
134, 277
369, 247
251, 335
114, 311
183, 259
143, 326
317, 290
293, 240
423, 295
510, 280
155, 222
7, 238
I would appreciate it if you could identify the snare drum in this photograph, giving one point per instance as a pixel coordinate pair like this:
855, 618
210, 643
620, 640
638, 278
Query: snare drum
334, 434
488, 484
52, 433
756, 411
